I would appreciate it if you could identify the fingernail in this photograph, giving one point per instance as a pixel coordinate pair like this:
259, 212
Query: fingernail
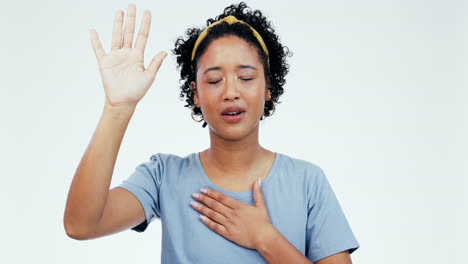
194, 204
259, 182
203, 190
196, 195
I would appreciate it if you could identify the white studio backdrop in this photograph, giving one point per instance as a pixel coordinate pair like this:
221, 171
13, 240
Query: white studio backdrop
376, 96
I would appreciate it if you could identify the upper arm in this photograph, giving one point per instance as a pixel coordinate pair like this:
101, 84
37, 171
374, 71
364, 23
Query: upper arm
339, 258
328, 231
133, 203
122, 211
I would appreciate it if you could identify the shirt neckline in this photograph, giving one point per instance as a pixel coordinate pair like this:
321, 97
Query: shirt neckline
248, 195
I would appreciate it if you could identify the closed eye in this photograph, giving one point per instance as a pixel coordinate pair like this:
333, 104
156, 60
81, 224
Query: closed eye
214, 82
246, 79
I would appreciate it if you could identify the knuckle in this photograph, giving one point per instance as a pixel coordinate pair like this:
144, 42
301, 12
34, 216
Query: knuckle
222, 198
204, 200
212, 225
200, 207
235, 214
210, 214
211, 204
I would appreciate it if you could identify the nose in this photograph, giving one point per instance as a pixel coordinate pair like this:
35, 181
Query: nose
230, 90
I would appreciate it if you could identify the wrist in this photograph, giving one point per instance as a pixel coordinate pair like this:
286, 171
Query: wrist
121, 110
266, 237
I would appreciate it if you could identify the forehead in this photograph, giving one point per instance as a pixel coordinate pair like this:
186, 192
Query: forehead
229, 50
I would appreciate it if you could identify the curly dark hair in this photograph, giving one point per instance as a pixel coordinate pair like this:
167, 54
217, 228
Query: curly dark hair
274, 74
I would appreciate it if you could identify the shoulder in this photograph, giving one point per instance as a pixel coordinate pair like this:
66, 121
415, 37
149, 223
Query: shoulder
306, 173
172, 162
301, 166
171, 158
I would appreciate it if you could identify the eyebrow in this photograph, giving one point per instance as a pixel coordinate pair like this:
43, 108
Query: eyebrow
241, 66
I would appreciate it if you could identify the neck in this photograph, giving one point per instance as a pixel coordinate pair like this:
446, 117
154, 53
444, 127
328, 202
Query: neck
236, 157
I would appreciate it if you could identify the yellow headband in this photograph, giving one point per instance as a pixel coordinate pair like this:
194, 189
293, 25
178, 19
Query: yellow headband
230, 20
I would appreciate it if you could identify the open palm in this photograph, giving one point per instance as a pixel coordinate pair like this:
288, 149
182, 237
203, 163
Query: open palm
123, 74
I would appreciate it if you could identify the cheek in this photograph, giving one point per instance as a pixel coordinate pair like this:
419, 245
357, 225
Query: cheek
208, 101
256, 99
257, 90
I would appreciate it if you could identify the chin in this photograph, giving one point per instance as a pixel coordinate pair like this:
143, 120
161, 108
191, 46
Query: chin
232, 132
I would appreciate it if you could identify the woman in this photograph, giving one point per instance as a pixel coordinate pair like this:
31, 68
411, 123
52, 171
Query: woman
247, 204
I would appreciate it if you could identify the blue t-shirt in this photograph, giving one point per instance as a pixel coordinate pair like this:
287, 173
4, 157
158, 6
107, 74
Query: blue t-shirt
300, 202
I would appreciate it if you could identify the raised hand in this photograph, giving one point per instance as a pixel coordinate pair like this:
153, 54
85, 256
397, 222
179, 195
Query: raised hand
123, 74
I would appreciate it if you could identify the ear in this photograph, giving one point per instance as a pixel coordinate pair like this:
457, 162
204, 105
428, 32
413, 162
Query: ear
196, 101
267, 95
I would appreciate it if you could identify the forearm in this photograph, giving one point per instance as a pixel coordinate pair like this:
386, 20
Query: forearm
90, 186
275, 248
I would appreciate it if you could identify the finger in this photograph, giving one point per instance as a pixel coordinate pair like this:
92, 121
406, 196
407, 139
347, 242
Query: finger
155, 64
213, 204
224, 199
96, 43
258, 194
214, 226
144, 31
129, 26
212, 214
117, 30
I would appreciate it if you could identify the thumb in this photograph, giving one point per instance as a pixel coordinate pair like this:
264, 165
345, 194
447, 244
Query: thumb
154, 65
258, 194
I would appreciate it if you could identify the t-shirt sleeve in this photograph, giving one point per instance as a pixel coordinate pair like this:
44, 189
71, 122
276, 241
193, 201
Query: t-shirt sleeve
144, 183
328, 231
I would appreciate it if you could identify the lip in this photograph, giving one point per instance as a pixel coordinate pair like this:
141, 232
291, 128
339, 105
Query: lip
234, 108
233, 118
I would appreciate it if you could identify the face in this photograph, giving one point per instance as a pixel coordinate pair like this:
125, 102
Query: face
230, 73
